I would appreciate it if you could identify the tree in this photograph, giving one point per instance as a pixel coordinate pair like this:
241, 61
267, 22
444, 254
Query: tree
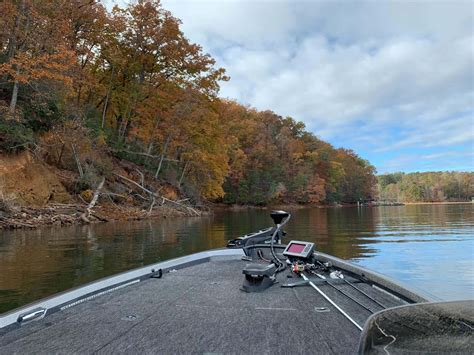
37, 48
150, 95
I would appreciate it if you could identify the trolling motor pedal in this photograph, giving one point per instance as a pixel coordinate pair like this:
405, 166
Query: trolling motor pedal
258, 277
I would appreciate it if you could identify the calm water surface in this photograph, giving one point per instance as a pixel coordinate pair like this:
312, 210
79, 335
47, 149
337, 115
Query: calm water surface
430, 247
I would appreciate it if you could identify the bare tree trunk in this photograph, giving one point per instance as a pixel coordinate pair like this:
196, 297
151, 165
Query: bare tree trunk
162, 157
12, 44
182, 174
14, 96
104, 111
150, 145
128, 118
78, 162
124, 124
11, 53
150, 148
58, 163
109, 91
124, 128
148, 151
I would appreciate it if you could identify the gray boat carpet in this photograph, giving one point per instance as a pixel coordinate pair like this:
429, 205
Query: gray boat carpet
200, 310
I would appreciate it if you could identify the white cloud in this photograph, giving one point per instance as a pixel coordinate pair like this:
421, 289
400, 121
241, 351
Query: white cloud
266, 22
350, 70
330, 86
447, 160
445, 133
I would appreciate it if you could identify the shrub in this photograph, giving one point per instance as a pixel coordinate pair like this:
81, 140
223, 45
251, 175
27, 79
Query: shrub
40, 114
14, 136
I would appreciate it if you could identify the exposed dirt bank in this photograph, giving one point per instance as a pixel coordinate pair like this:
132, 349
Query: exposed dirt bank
26, 181
36, 194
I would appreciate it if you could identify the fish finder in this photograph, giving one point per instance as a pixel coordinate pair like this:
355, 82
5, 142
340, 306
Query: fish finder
298, 249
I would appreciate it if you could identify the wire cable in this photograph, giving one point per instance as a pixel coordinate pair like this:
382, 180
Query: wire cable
260, 255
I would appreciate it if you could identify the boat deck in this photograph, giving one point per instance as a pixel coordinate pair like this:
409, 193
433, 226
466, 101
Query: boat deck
201, 309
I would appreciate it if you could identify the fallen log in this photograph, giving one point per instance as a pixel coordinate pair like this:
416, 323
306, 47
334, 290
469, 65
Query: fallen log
143, 154
181, 205
155, 195
151, 206
85, 216
135, 183
100, 218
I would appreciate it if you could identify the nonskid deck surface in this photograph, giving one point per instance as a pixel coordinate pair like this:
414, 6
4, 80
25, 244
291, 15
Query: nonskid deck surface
200, 309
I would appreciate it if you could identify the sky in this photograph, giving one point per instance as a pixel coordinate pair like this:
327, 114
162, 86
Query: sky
392, 80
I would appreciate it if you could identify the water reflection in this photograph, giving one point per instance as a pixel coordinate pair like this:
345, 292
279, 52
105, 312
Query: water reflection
431, 247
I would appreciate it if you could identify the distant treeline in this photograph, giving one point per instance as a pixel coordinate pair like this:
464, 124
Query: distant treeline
140, 90
273, 159
426, 187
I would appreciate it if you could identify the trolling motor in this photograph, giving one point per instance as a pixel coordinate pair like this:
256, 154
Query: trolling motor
263, 235
260, 237
259, 277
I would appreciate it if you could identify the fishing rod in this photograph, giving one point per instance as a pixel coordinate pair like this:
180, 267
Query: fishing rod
331, 301
344, 293
341, 277
349, 296
365, 294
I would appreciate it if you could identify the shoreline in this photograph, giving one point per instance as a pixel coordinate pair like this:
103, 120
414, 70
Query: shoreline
70, 214
62, 215
440, 203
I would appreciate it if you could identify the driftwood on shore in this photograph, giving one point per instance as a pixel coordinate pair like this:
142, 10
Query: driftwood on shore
52, 215
139, 201
153, 196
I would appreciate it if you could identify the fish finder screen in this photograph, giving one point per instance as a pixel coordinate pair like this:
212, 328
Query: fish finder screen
296, 248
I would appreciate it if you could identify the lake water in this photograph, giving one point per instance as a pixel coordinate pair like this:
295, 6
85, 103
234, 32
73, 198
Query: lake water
430, 247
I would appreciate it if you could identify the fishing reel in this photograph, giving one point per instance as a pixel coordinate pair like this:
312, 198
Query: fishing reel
299, 266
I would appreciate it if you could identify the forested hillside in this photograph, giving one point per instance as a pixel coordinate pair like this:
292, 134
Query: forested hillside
426, 187
82, 87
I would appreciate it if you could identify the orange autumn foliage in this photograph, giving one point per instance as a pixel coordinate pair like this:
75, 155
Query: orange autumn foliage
147, 93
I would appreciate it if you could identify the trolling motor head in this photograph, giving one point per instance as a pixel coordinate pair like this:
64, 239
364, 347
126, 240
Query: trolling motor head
278, 216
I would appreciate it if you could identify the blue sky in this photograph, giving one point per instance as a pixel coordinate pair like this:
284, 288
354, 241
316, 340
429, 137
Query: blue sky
393, 80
